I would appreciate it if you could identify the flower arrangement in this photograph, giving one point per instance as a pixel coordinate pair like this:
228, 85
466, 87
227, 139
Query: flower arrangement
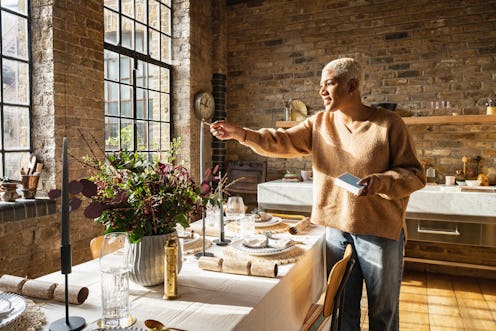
129, 193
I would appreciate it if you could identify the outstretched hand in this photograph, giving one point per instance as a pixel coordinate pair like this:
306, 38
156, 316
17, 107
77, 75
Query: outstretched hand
223, 130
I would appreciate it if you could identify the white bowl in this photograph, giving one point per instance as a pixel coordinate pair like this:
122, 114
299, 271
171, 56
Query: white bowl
475, 182
461, 183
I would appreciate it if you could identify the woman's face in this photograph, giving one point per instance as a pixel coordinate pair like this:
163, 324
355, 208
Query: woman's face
333, 91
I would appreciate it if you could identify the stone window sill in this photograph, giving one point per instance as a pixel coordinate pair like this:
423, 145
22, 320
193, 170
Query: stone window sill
26, 208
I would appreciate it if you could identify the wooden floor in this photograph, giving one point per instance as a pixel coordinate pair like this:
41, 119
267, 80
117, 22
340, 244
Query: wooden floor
435, 302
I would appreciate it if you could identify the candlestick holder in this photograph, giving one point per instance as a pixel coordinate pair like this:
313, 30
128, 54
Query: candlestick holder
69, 323
203, 252
222, 241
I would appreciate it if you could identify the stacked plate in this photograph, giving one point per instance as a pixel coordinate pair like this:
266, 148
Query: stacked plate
11, 308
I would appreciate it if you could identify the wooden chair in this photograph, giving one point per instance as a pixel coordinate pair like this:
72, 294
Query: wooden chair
96, 245
318, 315
243, 178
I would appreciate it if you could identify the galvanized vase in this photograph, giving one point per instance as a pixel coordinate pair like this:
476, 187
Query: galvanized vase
149, 255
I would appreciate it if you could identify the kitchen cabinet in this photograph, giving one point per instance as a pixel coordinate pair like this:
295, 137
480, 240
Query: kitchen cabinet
420, 120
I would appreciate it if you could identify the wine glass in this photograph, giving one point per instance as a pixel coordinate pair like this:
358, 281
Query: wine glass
115, 263
235, 208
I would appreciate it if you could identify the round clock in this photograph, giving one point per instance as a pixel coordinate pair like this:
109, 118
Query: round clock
204, 105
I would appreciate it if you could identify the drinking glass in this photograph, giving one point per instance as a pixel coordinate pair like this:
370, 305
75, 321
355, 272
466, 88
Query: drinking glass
115, 263
235, 208
247, 226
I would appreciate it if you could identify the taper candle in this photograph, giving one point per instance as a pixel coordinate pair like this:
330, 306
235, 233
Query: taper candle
65, 229
221, 209
201, 151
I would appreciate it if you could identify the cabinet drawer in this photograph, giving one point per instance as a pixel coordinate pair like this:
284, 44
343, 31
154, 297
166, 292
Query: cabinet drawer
444, 232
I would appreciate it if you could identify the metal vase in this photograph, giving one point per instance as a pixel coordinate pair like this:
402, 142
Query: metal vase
148, 269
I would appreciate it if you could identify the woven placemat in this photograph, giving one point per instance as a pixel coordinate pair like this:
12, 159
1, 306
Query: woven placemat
276, 228
290, 256
195, 245
32, 319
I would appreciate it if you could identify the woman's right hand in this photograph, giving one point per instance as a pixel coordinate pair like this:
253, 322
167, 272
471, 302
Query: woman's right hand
223, 130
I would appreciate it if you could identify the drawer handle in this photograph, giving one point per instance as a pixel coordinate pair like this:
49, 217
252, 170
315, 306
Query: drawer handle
455, 232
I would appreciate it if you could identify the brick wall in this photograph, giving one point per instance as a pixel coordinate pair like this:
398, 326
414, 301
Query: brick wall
413, 52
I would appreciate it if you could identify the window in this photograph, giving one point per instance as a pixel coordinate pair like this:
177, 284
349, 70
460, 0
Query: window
137, 75
15, 93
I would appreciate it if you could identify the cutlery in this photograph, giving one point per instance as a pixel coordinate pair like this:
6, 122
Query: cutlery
159, 326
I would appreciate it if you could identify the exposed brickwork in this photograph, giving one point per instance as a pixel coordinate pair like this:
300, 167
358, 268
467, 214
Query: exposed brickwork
412, 53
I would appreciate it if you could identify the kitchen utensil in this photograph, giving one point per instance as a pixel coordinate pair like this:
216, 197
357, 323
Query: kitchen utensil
32, 165
159, 326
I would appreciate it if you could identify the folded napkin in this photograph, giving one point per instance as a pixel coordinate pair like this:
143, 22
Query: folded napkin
264, 241
300, 226
240, 267
43, 290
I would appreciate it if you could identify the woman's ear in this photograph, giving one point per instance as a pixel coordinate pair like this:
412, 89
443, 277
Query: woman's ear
353, 85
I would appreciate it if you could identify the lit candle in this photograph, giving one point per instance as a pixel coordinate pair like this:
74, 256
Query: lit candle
65, 197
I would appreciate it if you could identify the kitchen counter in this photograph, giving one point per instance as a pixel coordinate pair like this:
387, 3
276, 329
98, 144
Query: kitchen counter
432, 199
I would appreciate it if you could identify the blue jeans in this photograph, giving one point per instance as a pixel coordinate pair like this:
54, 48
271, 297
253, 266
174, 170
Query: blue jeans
379, 262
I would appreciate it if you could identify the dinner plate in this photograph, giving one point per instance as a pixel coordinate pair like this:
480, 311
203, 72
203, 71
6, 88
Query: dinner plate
265, 251
273, 221
17, 303
120, 329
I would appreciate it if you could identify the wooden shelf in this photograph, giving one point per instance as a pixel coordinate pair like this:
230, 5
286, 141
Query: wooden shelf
419, 120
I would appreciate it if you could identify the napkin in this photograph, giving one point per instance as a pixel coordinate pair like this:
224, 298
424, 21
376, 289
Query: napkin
236, 267
211, 263
300, 226
280, 243
43, 290
260, 241
264, 269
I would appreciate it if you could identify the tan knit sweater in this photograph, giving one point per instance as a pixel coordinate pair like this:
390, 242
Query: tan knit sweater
381, 145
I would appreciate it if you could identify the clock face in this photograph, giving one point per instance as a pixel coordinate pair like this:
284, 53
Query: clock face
204, 105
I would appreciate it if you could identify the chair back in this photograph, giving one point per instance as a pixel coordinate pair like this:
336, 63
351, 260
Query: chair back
336, 283
96, 245
245, 175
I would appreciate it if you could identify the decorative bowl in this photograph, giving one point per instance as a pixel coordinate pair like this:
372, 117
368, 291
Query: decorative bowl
474, 182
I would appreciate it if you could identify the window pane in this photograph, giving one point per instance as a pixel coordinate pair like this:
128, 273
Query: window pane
126, 101
127, 7
111, 27
140, 38
165, 80
127, 33
154, 106
141, 11
154, 136
165, 47
111, 62
126, 69
164, 107
14, 36
142, 135
15, 78
164, 136
111, 98
111, 134
153, 77
111, 3
154, 12
16, 127
141, 103
127, 134
165, 20
154, 44
20, 6
14, 162
141, 74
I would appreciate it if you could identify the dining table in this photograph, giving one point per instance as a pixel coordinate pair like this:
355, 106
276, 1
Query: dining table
209, 300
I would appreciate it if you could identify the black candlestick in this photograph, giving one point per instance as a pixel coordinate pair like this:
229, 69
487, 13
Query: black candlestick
69, 323
203, 253
221, 241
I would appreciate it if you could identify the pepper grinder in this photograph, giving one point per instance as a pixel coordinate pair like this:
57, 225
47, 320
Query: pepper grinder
170, 268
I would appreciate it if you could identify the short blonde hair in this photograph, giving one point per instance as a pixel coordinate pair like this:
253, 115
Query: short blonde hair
345, 68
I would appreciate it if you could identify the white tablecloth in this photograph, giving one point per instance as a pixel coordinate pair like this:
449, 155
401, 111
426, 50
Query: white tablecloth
212, 300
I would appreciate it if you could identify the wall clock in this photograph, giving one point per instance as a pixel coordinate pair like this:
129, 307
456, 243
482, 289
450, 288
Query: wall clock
204, 105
